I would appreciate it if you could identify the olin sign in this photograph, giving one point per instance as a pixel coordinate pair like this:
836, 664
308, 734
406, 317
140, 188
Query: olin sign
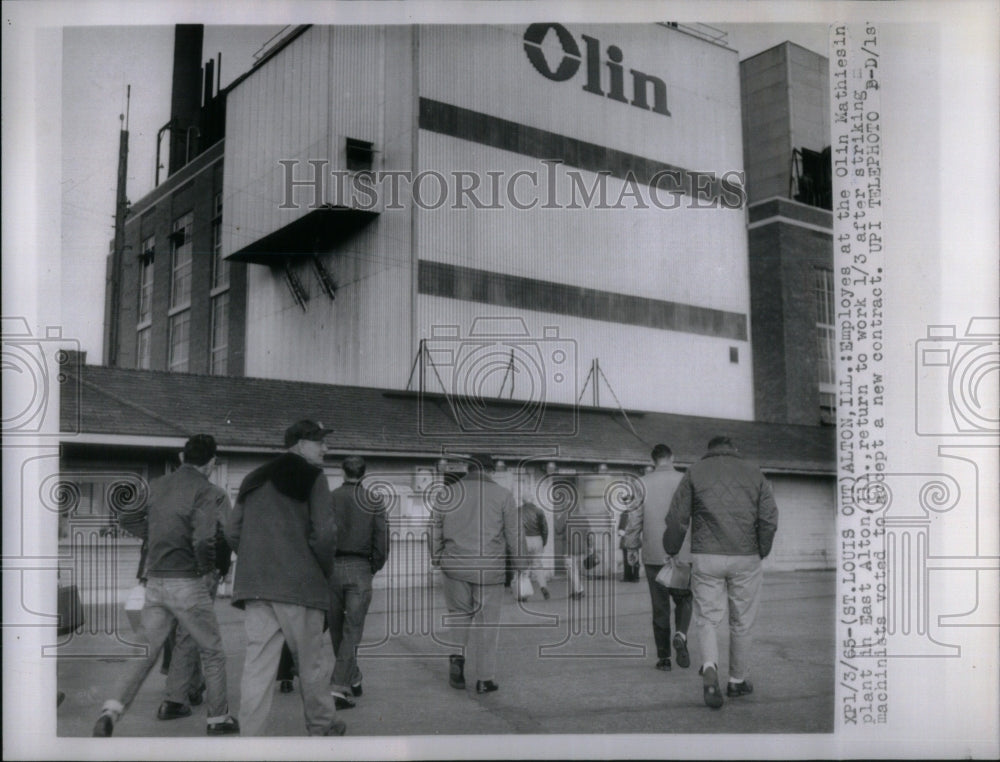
642, 83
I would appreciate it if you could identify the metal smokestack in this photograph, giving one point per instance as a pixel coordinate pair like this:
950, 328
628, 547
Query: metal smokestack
185, 94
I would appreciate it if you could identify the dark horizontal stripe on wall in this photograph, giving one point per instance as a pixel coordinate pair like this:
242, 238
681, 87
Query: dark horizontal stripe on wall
457, 122
468, 284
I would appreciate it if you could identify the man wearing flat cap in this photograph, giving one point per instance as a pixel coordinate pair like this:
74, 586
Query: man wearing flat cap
283, 532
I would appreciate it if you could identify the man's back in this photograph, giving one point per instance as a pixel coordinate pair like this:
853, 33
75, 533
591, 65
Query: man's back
361, 524
283, 533
183, 510
730, 505
478, 532
659, 486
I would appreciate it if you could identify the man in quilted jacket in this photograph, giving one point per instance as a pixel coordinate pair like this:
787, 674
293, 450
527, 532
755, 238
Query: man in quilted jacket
730, 508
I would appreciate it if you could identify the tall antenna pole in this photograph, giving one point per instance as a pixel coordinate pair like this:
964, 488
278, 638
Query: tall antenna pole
118, 253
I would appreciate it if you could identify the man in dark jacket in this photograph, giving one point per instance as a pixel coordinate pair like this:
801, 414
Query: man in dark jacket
282, 531
730, 507
362, 550
183, 512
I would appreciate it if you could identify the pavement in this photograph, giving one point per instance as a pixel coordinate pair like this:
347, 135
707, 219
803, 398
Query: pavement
564, 667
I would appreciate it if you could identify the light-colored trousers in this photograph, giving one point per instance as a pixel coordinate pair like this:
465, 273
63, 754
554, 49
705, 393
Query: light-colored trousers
574, 572
268, 625
473, 621
716, 580
187, 602
533, 547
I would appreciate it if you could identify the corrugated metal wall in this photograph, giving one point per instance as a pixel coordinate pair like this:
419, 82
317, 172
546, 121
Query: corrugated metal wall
280, 112
331, 84
334, 83
693, 256
486, 69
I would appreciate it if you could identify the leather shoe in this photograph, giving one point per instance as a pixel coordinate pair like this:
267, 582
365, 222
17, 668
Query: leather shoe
171, 710
287, 686
456, 671
104, 726
228, 727
342, 702
741, 688
486, 686
663, 665
711, 691
337, 728
681, 650
356, 690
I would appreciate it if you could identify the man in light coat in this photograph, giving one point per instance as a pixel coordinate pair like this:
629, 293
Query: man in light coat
471, 541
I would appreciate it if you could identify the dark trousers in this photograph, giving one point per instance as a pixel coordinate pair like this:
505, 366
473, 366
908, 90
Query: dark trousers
350, 597
660, 597
631, 571
286, 667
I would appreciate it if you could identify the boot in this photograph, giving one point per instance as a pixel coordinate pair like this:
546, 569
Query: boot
456, 673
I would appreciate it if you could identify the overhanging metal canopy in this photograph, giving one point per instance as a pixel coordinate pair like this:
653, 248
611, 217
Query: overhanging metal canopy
318, 231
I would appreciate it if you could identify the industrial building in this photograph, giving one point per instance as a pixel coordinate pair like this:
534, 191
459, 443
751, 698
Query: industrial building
552, 242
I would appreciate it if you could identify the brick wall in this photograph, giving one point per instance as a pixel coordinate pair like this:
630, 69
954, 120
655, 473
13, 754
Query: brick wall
783, 259
192, 189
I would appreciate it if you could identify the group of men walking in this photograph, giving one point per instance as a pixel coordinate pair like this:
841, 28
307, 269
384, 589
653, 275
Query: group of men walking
713, 526
306, 558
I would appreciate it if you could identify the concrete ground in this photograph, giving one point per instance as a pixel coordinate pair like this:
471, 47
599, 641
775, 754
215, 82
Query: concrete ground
564, 667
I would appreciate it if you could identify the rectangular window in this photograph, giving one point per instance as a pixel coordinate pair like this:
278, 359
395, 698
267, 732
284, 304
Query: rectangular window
826, 358
146, 281
180, 261
180, 341
142, 348
220, 266
218, 362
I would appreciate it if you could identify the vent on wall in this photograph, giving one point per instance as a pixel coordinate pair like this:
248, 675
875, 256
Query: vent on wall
360, 155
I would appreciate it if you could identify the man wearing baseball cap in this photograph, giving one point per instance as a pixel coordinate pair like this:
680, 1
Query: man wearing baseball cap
283, 532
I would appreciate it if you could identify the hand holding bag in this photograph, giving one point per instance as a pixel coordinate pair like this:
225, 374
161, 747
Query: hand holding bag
134, 604
674, 574
524, 586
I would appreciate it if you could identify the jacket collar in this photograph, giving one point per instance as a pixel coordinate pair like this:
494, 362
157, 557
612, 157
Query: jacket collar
191, 469
732, 452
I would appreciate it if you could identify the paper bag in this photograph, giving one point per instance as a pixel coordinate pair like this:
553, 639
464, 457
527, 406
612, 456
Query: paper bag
133, 606
524, 586
675, 574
